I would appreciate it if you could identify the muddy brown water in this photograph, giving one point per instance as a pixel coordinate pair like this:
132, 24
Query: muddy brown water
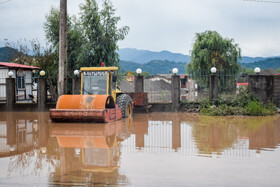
155, 149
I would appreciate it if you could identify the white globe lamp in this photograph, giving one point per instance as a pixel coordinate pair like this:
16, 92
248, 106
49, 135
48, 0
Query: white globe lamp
174, 71
10, 74
42, 73
76, 72
257, 70
139, 71
213, 70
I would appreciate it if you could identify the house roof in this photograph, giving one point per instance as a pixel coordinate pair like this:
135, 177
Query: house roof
14, 65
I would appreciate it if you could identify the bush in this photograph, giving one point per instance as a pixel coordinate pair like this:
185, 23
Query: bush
242, 104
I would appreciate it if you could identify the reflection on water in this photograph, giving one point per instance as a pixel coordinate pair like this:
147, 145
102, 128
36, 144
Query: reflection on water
35, 151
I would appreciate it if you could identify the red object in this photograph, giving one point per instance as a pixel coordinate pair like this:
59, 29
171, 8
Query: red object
102, 64
243, 84
14, 65
140, 99
85, 115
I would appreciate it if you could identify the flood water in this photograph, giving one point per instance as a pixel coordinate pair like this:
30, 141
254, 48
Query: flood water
155, 149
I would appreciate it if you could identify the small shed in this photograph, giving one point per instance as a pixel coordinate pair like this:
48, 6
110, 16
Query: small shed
24, 80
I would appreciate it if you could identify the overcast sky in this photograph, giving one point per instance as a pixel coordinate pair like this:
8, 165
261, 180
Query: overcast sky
162, 24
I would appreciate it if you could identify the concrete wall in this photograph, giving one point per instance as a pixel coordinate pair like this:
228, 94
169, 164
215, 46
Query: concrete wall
265, 87
11, 105
276, 90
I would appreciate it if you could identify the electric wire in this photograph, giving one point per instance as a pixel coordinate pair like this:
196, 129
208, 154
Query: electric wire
4, 2
261, 1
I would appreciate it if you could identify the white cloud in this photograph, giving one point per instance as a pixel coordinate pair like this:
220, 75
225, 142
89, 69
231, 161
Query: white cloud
163, 24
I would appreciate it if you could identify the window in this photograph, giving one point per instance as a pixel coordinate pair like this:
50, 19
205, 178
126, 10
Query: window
94, 83
20, 82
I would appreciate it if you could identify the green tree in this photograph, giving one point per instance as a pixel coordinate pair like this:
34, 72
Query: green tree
74, 40
101, 34
91, 39
33, 53
212, 50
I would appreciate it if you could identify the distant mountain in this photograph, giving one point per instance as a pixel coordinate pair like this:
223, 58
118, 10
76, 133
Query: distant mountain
6, 53
269, 63
144, 56
154, 67
246, 59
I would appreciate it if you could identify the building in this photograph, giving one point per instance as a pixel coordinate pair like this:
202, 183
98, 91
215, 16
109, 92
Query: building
24, 80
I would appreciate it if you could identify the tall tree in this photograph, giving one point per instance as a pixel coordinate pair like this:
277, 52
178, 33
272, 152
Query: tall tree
91, 38
101, 34
212, 50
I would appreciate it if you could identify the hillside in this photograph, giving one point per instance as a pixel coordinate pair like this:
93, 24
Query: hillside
246, 59
273, 63
6, 53
145, 56
153, 67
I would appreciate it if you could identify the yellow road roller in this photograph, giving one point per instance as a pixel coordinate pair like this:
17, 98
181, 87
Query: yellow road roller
100, 99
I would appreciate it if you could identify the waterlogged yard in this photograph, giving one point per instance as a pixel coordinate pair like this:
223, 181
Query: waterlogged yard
155, 149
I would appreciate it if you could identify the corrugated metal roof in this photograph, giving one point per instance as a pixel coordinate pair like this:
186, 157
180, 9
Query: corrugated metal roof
14, 65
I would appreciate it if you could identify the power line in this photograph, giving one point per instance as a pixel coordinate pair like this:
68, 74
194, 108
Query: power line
4, 2
261, 1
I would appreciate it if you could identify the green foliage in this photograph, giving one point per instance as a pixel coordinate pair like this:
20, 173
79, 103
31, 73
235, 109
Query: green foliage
91, 39
100, 34
212, 50
243, 104
247, 71
42, 56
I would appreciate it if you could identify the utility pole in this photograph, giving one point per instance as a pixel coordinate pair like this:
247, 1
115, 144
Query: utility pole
62, 69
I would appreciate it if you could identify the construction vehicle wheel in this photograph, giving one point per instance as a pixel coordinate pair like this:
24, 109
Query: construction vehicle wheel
125, 103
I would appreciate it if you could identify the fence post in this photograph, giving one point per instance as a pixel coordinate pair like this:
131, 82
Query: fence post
213, 86
139, 84
42, 93
76, 85
175, 92
262, 86
10, 93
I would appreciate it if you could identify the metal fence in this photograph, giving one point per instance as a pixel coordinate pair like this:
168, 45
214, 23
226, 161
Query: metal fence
195, 86
158, 89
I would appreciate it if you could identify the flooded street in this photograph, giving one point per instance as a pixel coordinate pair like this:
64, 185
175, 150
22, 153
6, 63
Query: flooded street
155, 149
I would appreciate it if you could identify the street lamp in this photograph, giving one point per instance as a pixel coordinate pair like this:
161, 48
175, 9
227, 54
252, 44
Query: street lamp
76, 72
257, 70
139, 71
10, 74
213, 70
42, 73
174, 71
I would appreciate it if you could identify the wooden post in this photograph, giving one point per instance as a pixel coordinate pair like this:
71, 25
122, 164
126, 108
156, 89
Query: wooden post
62, 70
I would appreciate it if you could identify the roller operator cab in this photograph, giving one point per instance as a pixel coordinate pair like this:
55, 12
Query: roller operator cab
100, 99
